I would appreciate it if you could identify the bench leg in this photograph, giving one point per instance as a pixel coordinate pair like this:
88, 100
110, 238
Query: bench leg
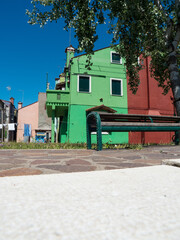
88, 138
176, 137
99, 139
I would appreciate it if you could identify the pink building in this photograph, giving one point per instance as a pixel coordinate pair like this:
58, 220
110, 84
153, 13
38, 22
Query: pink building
27, 115
33, 122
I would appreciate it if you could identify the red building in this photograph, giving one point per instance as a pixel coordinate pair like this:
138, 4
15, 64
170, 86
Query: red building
149, 100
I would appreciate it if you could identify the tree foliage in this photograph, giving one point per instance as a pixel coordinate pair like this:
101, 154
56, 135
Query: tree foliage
140, 28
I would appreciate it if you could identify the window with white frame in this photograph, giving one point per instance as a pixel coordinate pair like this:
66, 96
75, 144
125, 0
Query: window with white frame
116, 87
115, 58
84, 84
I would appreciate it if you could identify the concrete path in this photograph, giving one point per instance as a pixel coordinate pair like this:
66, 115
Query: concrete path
127, 204
34, 162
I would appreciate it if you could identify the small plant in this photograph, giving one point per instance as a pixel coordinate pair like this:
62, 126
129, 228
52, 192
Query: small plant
122, 146
130, 146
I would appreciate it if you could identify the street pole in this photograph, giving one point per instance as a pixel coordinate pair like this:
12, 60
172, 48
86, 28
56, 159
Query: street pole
2, 121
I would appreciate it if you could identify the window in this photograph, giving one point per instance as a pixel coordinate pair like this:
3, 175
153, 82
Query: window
115, 58
58, 96
84, 84
116, 87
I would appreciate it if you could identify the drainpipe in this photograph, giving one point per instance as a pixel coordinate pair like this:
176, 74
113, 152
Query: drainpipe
148, 96
2, 119
148, 87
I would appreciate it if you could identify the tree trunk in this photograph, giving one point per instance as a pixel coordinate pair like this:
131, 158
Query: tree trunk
175, 80
173, 65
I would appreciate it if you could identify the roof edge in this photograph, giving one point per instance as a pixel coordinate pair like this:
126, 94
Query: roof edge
28, 105
93, 51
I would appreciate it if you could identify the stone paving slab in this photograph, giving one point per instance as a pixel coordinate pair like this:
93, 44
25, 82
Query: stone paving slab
127, 204
172, 162
64, 161
20, 172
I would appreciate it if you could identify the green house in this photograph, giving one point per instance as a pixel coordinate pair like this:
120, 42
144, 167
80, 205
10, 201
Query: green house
78, 90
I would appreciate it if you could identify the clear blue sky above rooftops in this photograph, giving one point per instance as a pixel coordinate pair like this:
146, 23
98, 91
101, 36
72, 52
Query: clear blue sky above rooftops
28, 52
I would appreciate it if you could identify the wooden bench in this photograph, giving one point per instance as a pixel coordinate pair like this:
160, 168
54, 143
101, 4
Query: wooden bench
111, 122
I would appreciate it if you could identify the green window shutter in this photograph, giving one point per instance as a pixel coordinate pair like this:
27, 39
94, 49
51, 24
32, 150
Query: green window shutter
83, 84
116, 87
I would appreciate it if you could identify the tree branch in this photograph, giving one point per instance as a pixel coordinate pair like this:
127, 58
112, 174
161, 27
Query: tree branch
176, 39
159, 5
177, 6
169, 30
169, 20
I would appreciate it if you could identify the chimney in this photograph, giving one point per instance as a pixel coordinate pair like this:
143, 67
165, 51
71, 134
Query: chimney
70, 49
19, 105
69, 54
12, 100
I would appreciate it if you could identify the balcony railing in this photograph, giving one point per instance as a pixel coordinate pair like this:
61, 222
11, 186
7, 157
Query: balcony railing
57, 100
57, 97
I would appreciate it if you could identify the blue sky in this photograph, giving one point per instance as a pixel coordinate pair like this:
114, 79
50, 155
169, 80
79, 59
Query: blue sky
28, 52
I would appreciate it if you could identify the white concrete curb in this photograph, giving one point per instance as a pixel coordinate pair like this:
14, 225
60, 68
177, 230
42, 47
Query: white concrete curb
127, 204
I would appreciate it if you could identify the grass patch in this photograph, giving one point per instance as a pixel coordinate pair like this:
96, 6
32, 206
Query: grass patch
22, 145
122, 146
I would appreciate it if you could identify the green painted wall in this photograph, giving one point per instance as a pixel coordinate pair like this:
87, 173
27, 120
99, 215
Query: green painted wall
101, 72
77, 127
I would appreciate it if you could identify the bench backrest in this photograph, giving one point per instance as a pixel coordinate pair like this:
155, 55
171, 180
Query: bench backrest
113, 117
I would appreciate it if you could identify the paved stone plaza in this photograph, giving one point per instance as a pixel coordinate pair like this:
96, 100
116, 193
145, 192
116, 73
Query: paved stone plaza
34, 162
